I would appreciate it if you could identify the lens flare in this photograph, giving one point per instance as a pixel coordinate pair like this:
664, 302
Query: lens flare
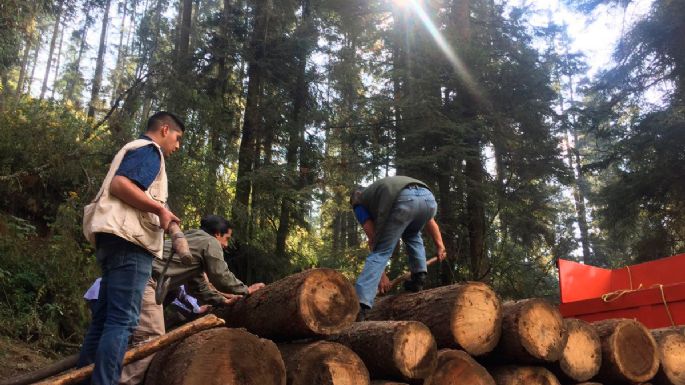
456, 62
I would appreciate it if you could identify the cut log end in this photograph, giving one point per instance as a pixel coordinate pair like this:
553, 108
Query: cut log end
524, 375
398, 350
323, 363
457, 367
218, 356
415, 350
477, 319
541, 328
629, 352
327, 301
638, 365
582, 356
671, 347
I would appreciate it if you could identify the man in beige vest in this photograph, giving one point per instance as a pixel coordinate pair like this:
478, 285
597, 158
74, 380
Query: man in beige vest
126, 222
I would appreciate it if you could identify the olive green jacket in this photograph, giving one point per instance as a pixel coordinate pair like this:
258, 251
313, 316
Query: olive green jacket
208, 257
380, 196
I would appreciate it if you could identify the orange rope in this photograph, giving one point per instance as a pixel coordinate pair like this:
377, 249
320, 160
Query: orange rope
663, 298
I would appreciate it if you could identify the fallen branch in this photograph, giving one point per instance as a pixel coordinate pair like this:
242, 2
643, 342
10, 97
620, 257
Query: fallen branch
135, 354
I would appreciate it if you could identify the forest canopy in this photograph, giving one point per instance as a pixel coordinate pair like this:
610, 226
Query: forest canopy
290, 104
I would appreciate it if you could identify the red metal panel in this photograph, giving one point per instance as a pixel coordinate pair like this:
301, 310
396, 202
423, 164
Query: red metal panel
646, 305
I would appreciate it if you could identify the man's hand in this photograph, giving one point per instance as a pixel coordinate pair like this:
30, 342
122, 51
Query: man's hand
254, 287
230, 299
203, 309
384, 284
441, 253
166, 217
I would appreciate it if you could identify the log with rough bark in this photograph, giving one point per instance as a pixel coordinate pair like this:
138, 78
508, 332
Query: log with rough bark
315, 302
50, 370
458, 367
523, 375
220, 356
323, 363
629, 352
532, 332
464, 316
386, 382
671, 347
582, 355
398, 350
81, 374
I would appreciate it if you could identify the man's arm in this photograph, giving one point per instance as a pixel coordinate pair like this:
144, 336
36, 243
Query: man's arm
369, 229
433, 230
124, 189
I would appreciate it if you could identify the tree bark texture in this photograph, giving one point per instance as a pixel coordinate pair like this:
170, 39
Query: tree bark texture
99, 63
399, 350
629, 352
582, 356
458, 367
386, 382
671, 348
523, 375
251, 123
53, 41
464, 316
50, 370
532, 332
220, 356
81, 374
324, 363
315, 302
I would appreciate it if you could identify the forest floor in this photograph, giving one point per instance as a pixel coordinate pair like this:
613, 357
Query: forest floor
17, 357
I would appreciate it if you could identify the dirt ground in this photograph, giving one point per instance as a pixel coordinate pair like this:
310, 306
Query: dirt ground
17, 358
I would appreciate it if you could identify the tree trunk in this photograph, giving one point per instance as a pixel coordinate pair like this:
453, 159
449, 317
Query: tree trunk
582, 356
671, 348
306, 34
57, 64
523, 375
184, 35
50, 370
475, 210
311, 303
119, 67
35, 62
386, 382
532, 332
324, 363
53, 41
466, 316
629, 352
99, 64
251, 123
77, 64
24, 65
402, 350
218, 356
457, 367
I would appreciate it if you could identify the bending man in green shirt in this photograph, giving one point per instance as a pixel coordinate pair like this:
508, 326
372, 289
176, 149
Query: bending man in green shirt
206, 245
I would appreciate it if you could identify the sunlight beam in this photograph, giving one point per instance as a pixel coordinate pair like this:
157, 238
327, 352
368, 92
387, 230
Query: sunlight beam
456, 62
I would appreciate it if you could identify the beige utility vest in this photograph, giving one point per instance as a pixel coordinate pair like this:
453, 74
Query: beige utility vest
108, 214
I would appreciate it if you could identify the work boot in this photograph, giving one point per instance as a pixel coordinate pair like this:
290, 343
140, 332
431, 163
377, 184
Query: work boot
415, 284
361, 316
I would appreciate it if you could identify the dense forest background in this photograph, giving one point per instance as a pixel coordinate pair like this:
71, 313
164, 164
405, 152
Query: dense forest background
289, 104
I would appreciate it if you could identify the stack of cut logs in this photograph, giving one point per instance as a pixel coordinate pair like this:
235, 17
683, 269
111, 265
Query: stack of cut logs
301, 330
458, 334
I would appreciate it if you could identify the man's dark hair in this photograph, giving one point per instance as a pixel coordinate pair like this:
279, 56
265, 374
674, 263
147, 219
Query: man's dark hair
214, 224
163, 117
355, 195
